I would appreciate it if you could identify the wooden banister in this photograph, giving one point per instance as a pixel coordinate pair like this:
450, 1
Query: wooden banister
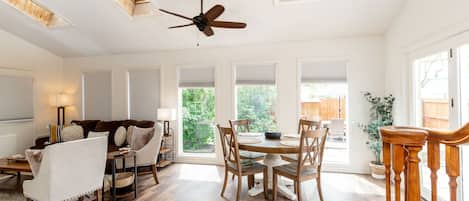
401, 146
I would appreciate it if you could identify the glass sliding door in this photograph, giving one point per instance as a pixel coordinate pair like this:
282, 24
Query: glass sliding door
432, 110
464, 105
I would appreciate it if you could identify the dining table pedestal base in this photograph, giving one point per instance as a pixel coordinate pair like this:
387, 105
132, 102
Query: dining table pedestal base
273, 160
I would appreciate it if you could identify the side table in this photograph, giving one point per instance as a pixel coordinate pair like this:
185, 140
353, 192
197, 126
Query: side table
113, 157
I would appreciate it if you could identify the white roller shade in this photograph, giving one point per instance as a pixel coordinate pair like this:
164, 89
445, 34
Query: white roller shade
255, 74
97, 100
324, 71
16, 98
144, 94
197, 77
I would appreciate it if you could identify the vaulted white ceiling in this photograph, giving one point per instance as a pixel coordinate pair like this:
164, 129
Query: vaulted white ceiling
101, 27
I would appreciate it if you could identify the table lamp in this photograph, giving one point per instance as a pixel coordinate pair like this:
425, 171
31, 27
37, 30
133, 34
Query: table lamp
166, 115
60, 100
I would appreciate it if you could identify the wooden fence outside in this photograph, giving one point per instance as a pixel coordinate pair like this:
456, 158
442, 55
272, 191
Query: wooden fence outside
326, 109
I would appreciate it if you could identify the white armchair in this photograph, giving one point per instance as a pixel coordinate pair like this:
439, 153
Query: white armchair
148, 154
69, 170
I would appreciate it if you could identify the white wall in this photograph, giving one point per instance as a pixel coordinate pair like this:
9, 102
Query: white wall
365, 73
20, 57
420, 25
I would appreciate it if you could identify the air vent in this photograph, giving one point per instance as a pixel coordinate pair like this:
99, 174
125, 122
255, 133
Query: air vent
37, 12
289, 2
137, 7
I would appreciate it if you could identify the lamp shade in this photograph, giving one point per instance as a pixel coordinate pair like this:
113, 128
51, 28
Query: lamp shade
60, 100
166, 114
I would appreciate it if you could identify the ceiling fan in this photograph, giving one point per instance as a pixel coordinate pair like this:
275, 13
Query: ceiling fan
205, 21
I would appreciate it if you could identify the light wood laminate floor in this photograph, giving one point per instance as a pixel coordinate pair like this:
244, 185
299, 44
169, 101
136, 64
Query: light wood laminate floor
187, 182
184, 182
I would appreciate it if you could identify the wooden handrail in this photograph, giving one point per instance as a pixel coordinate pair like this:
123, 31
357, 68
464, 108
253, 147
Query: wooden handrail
401, 146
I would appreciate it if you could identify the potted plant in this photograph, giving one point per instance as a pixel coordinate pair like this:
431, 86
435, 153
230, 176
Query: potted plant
380, 115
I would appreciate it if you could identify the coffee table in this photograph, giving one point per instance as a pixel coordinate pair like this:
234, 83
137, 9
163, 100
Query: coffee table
17, 167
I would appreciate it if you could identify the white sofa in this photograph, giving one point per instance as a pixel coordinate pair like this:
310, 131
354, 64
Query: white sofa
69, 170
148, 155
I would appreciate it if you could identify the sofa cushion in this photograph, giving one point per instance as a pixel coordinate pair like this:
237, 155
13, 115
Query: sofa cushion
110, 126
140, 137
87, 125
71, 133
120, 136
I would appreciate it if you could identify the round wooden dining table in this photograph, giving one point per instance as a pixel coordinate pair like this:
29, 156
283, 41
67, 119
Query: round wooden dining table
273, 149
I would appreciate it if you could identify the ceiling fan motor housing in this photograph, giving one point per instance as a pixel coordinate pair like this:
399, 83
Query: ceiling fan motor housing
201, 22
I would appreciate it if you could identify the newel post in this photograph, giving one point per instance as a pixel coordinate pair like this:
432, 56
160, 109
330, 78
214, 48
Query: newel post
401, 146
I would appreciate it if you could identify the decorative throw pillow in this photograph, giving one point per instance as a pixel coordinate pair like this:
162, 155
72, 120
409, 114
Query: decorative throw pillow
120, 136
140, 137
129, 135
93, 134
34, 158
71, 133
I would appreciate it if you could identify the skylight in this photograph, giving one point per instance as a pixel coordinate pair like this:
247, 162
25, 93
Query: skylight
37, 12
287, 2
137, 7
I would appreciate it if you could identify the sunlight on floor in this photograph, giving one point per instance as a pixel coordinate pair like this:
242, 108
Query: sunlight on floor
199, 173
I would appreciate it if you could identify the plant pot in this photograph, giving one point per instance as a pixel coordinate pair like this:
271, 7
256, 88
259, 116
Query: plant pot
377, 171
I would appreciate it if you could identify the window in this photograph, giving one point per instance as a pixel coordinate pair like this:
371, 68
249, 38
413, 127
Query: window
144, 94
197, 95
256, 96
96, 95
324, 98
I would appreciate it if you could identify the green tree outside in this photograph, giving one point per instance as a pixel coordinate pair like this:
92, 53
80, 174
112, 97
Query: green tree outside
198, 106
257, 103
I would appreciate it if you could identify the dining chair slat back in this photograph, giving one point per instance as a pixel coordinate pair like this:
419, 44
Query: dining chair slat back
306, 125
241, 125
230, 146
311, 150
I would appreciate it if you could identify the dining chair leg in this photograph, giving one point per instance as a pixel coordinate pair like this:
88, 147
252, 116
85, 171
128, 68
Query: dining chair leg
224, 183
298, 190
318, 183
232, 177
250, 181
154, 171
240, 182
266, 184
274, 185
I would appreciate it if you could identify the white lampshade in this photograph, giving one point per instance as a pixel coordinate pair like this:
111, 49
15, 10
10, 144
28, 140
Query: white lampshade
60, 100
166, 114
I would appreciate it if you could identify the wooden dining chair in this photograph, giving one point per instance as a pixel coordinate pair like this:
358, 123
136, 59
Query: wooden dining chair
308, 165
234, 164
242, 125
303, 125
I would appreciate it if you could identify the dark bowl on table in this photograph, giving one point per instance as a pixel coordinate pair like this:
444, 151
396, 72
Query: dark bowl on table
273, 135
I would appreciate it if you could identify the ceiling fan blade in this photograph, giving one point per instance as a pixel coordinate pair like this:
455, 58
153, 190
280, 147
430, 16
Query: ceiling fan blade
175, 14
180, 26
229, 25
208, 31
214, 12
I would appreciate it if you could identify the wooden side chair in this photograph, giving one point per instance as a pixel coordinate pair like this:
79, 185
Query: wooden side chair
242, 125
303, 125
234, 164
308, 165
